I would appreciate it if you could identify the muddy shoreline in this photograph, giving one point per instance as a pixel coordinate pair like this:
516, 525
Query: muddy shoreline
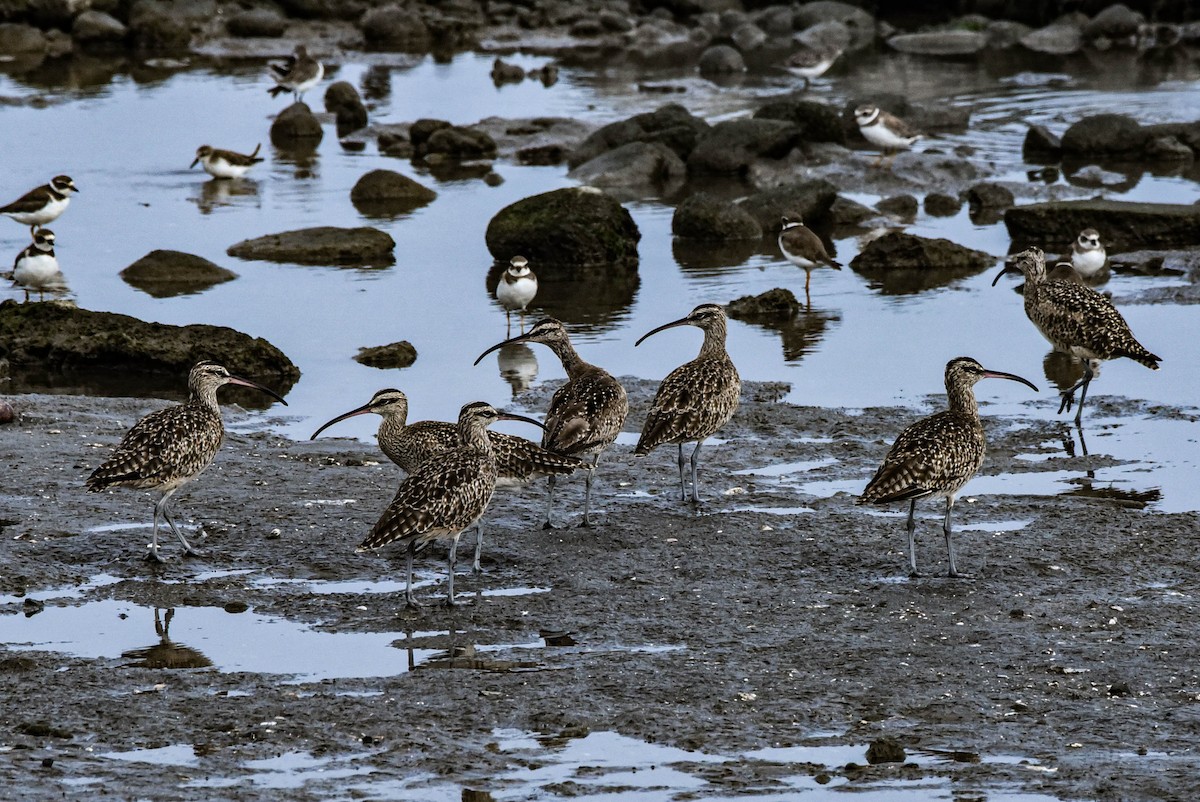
1067, 664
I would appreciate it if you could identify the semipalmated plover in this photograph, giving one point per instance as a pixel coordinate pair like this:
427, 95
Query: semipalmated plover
225, 163
299, 73
42, 205
811, 62
1087, 253
885, 130
36, 267
803, 248
516, 289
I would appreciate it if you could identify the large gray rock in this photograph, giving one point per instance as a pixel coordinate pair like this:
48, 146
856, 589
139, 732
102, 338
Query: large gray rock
637, 164
257, 22
1104, 135
1041, 146
672, 125
818, 122
19, 39
721, 60
859, 23
1118, 23
385, 193
97, 28
343, 101
296, 123
1058, 38
456, 143
731, 146
163, 26
54, 336
396, 28
901, 263
565, 227
811, 200
164, 274
323, 245
1124, 226
704, 217
940, 43
400, 354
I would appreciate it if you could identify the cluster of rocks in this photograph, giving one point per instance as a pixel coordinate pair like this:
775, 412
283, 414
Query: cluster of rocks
1113, 138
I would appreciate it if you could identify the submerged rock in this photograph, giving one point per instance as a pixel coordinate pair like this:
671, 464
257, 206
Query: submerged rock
395, 28
574, 226
1104, 135
264, 22
818, 122
704, 217
296, 123
343, 101
721, 60
1054, 225
672, 125
776, 305
385, 193
393, 355
732, 145
637, 164
164, 274
940, 43
810, 200
323, 245
97, 28
1041, 146
901, 263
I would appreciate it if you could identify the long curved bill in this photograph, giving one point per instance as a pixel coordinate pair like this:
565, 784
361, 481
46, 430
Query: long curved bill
510, 416
520, 338
999, 374
363, 410
683, 321
257, 386
1008, 268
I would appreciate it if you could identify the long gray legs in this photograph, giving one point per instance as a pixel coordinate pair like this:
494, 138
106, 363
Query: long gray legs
950, 535
451, 562
682, 484
587, 493
912, 538
1068, 395
683, 463
476, 568
409, 601
161, 510
551, 482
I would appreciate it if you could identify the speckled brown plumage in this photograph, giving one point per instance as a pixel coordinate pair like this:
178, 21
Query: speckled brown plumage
1076, 320
936, 456
586, 414
697, 398
172, 446
443, 496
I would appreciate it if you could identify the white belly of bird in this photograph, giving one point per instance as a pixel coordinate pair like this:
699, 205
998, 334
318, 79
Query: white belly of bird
811, 70
303, 87
518, 294
219, 168
879, 134
46, 214
1088, 263
798, 261
38, 272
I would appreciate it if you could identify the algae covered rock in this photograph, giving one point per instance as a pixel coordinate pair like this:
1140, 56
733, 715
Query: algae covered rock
565, 227
322, 245
164, 274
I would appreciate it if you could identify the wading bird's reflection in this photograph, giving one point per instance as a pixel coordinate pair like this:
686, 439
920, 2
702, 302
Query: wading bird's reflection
518, 366
220, 192
166, 653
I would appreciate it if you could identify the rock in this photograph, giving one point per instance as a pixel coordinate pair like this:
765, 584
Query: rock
396, 28
542, 154
615, 22
1058, 38
505, 73
574, 226
324, 9
1054, 225
638, 164
778, 305
394, 355
732, 145
343, 100
672, 125
828, 35
748, 37
384, 193
420, 131
1185, 133
159, 26
857, 22
811, 200
258, 22
818, 122
1168, 148
938, 204
457, 143
940, 43
1041, 146
323, 245
989, 196
703, 217
58, 337
1117, 23
721, 60
902, 207
164, 274
19, 39
846, 212
1005, 33
7, 413
97, 28
900, 263
1103, 135
296, 123
885, 750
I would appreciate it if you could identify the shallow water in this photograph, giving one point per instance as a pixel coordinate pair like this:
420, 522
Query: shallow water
127, 144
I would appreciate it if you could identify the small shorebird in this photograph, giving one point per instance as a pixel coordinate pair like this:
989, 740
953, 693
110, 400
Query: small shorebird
36, 267
804, 249
297, 74
936, 456
225, 163
1076, 320
697, 398
443, 497
1087, 253
518, 461
42, 205
586, 414
517, 287
811, 62
884, 130
170, 447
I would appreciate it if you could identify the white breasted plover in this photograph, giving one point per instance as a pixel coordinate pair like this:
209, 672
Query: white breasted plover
36, 267
518, 285
299, 73
225, 163
42, 205
885, 130
1087, 253
811, 62
804, 249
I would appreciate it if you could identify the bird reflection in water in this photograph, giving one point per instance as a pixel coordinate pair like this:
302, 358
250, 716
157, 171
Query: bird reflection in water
518, 366
224, 192
166, 653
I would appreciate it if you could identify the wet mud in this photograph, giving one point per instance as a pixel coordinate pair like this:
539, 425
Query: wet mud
756, 646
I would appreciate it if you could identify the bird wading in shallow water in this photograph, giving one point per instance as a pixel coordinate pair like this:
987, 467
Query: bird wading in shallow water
697, 398
800, 246
516, 288
586, 414
42, 205
936, 456
443, 496
170, 447
225, 163
518, 461
886, 131
297, 74
1076, 320
36, 268
811, 62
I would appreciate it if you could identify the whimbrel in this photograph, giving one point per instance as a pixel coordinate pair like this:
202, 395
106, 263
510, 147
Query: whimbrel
1087, 253
225, 163
42, 205
586, 414
517, 287
170, 447
297, 74
36, 267
811, 62
445, 496
885, 130
518, 461
804, 249
936, 456
1076, 320
697, 398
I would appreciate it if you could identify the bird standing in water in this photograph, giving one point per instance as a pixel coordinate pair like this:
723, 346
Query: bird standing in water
297, 74
517, 287
800, 246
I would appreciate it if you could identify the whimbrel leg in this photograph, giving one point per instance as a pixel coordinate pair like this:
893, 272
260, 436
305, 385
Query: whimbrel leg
682, 483
695, 481
552, 480
911, 526
476, 568
587, 491
451, 561
1068, 395
949, 535
187, 547
409, 600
